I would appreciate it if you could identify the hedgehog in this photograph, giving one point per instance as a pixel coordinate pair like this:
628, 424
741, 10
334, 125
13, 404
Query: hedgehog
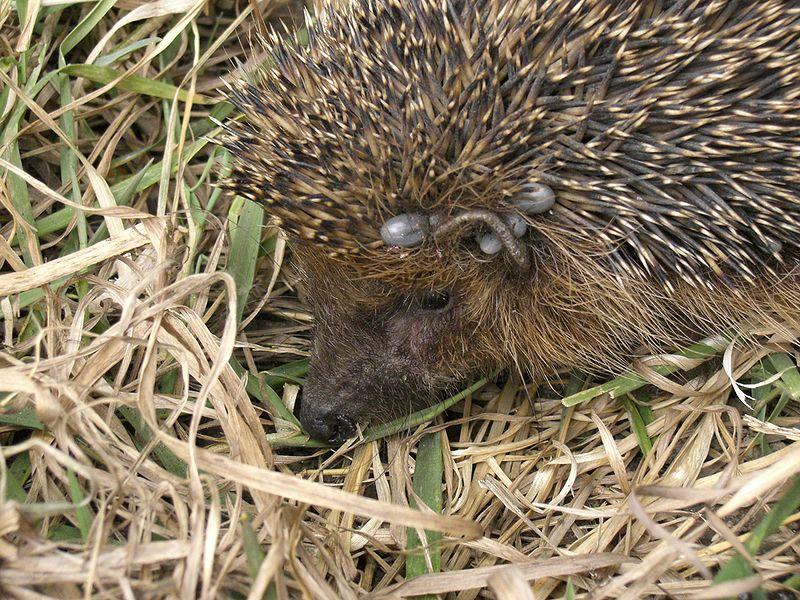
528, 185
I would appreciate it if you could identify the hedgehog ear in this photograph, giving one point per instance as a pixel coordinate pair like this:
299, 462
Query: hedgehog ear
504, 231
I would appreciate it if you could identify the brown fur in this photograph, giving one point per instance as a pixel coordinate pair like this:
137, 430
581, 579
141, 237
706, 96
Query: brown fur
669, 131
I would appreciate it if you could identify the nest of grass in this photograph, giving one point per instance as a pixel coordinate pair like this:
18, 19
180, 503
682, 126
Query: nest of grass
148, 444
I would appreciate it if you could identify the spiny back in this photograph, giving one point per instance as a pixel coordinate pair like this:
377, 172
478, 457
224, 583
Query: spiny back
669, 131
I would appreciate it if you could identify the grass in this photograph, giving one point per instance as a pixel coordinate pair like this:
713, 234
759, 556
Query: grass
153, 347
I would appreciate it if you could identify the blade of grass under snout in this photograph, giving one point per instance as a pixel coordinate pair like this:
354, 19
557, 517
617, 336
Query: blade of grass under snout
421, 416
629, 382
426, 558
293, 372
737, 568
371, 433
258, 388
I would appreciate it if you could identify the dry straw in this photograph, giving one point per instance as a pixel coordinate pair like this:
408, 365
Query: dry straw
148, 445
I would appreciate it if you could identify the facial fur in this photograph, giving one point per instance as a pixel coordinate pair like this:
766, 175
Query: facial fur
372, 341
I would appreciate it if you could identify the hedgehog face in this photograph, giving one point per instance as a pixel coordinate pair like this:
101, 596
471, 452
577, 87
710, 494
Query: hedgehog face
373, 361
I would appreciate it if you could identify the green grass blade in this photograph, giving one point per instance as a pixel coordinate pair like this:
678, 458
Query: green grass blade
16, 476
428, 486
570, 593
421, 416
59, 219
143, 435
737, 567
252, 549
292, 372
631, 381
82, 513
131, 83
86, 25
255, 555
638, 424
791, 376
25, 418
245, 244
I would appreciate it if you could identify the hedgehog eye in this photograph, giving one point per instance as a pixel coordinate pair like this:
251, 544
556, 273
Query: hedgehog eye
435, 301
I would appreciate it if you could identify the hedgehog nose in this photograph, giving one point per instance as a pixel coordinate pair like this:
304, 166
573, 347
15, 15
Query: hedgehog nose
327, 425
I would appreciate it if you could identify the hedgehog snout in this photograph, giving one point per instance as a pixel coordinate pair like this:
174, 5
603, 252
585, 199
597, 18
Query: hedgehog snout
328, 424
374, 365
332, 403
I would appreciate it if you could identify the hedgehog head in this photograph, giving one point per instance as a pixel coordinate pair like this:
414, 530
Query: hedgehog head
471, 185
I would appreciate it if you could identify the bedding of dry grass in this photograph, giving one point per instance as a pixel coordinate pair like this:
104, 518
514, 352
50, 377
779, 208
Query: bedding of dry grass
153, 346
